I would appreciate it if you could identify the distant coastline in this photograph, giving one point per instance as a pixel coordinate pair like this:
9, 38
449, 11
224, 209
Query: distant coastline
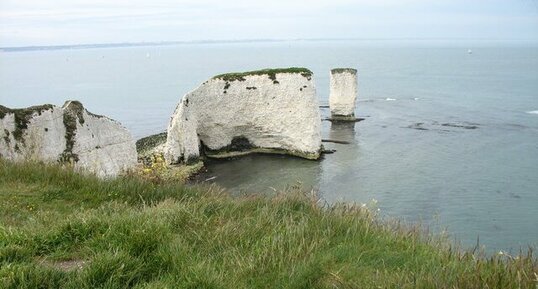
125, 44
452, 41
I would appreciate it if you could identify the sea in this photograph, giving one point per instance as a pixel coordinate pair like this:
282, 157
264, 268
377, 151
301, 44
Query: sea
449, 139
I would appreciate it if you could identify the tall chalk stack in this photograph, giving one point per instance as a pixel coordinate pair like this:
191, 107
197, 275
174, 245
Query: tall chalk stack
343, 94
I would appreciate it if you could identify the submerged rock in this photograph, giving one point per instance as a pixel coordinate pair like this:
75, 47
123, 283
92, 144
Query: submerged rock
68, 134
265, 111
343, 94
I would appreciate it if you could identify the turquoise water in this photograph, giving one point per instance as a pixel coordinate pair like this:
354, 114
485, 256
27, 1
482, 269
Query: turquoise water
449, 138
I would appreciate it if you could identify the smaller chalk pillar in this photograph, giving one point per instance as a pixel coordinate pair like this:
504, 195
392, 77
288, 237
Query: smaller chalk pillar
343, 94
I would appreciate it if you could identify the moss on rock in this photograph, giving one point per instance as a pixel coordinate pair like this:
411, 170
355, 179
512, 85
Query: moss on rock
22, 117
3, 111
73, 113
75, 108
7, 140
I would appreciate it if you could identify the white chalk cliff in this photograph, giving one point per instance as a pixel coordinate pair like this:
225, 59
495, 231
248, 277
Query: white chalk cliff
343, 93
68, 134
266, 111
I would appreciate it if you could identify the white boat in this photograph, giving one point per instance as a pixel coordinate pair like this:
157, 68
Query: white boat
470, 51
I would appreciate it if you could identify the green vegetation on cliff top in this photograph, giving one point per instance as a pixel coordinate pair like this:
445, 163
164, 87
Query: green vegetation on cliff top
240, 76
342, 70
60, 229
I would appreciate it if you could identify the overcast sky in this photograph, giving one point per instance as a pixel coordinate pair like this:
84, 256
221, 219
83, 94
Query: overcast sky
54, 22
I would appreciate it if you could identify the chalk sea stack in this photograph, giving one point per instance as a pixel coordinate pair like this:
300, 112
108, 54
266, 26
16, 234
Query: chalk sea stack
343, 94
264, 111
68, 134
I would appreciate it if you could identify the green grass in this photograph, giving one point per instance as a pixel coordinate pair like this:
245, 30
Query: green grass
132, 233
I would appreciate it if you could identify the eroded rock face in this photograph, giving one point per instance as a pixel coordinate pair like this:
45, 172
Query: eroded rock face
68, 134
268, 111
343, 93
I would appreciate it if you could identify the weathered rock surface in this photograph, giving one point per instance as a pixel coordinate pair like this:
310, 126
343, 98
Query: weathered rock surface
266, 111
343, 93
68, 134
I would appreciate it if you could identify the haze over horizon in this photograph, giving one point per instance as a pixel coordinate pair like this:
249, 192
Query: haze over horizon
63, 22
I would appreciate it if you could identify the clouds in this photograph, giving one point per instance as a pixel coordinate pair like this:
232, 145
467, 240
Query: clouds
41, 22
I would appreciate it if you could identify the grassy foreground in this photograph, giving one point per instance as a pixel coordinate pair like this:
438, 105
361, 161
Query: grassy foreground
59, 229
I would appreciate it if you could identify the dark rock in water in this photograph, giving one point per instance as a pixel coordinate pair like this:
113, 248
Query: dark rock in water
465, 126
328, 152
335, 141
344, 119
515, 196
417, 126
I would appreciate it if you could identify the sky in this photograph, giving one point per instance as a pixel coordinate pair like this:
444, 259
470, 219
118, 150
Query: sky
62, 22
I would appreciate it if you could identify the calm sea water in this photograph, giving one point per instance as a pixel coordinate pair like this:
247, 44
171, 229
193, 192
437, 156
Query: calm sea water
450, 138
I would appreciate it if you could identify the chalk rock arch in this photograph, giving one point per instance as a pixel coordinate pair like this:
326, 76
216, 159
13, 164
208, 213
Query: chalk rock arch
265, 111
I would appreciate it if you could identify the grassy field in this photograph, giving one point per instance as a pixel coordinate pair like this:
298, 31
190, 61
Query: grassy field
59, 229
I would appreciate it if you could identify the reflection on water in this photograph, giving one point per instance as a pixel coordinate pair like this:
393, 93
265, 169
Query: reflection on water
262, 173
339, 166
341, 130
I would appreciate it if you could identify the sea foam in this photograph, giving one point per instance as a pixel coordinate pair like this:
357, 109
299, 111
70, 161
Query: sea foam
533, 112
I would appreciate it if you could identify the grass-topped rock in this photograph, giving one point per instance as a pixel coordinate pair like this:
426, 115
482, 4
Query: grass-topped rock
344, 70
264, 111
68, 135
